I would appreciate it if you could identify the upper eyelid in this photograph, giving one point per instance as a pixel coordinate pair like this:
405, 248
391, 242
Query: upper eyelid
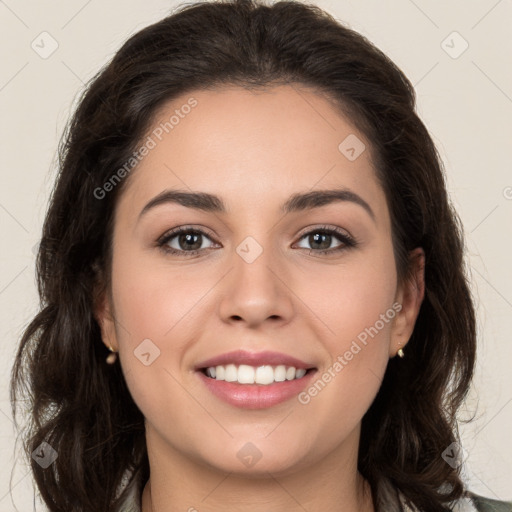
325, 227
171, 233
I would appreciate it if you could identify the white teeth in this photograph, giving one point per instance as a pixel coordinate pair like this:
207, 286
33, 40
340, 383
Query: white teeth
245, 374
280, 373
231, 373
264, 375
219, 373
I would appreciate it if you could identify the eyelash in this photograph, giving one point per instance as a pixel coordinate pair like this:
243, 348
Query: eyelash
347, 240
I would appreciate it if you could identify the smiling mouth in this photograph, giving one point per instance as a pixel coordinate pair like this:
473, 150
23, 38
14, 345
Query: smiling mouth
262, 375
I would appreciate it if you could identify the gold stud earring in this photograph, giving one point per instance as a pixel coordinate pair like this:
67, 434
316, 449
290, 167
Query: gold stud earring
111, 358
400, 352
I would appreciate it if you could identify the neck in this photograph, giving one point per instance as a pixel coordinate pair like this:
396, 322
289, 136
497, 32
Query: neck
333, 483
363, 502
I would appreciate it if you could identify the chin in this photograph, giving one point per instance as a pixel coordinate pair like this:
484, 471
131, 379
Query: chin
256, 459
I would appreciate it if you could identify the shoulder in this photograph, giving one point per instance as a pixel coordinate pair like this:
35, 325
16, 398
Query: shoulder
471, 502
483, 504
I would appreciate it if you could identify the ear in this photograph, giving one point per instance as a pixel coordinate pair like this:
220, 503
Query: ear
103, 313
410, 295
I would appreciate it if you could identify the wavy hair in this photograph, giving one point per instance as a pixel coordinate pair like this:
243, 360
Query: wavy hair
81, 406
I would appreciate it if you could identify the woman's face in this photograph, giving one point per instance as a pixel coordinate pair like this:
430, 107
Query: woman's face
257, 281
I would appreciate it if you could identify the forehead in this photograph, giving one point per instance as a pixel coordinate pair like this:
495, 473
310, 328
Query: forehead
249, 145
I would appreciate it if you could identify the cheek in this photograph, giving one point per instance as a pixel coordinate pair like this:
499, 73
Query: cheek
356, 304
153, 300
156, 310
351, 297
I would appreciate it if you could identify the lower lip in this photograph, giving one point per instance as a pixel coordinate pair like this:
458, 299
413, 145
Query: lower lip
256, 396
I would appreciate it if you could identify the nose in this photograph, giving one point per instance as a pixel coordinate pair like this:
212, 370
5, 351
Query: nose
256, 291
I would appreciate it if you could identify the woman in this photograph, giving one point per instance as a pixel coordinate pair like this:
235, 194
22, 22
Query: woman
259, 371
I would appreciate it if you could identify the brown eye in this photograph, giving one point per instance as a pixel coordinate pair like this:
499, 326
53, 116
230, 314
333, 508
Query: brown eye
183, 240
321, 239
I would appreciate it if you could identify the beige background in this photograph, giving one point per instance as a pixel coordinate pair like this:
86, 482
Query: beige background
465, 101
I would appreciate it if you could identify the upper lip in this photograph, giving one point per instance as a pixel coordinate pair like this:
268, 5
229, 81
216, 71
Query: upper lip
266, 357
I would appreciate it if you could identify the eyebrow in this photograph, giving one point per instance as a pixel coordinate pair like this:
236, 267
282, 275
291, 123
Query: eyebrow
296, 203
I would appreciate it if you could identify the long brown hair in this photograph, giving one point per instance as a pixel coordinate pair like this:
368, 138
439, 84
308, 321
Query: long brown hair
81, 407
